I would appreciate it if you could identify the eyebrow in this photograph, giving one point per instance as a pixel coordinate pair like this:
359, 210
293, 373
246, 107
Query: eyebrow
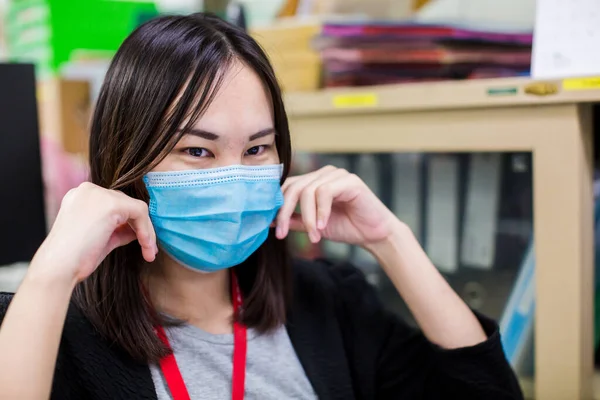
213, 136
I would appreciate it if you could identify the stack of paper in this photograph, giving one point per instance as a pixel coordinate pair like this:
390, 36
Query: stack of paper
356, 54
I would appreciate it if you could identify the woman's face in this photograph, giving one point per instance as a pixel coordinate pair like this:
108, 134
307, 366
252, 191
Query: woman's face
237, 128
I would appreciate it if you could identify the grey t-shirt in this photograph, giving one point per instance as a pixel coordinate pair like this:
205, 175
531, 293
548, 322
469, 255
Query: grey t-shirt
273, 371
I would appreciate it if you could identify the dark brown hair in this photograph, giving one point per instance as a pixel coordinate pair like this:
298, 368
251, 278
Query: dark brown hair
164, 75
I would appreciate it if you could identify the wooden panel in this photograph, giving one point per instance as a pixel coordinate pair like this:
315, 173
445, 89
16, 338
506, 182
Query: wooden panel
563, 219
498, 129
64, 108
75, 110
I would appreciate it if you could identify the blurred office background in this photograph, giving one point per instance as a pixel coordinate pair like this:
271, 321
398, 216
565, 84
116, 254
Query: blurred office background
472, 211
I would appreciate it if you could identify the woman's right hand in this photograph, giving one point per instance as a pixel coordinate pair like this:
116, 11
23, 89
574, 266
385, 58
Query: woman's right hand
92, 222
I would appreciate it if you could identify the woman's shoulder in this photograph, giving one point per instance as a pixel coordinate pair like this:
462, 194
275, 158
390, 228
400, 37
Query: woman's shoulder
76, 325
86, 361
78, 331
73, 314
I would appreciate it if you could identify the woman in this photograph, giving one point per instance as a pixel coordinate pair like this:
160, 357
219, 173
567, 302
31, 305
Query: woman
168, 276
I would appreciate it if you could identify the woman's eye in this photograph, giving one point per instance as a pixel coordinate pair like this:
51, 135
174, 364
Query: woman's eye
197, 152
256, 150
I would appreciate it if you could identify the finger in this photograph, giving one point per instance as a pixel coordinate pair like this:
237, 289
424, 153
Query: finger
294, 216
152, 234
308, 208
311, 176
145, 236
148, 237
325, 194
292, 189
316, 201
297, 224
291, 194
121, 236
290, 201
138, 218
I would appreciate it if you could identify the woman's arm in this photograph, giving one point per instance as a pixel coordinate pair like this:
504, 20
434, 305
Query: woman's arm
30, 335
442, 315
338, 206
396, 361
457, 354
91, 223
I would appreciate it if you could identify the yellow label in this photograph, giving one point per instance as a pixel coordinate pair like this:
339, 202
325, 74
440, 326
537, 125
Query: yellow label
582, 83
355, 100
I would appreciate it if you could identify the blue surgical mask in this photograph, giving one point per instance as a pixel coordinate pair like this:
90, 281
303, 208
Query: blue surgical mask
215, 218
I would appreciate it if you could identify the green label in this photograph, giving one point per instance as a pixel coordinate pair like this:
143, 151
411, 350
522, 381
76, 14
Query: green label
508, 91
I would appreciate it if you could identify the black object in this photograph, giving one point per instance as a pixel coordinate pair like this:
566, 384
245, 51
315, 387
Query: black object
22, 209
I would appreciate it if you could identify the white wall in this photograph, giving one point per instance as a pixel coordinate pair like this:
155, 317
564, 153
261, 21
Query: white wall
515, 14
176, 6
261, 12
258, 11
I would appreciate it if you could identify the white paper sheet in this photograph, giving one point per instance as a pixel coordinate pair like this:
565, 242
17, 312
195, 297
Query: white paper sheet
481, 211
567, 39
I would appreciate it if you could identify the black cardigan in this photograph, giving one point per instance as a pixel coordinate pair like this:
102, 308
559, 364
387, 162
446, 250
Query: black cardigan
349, 346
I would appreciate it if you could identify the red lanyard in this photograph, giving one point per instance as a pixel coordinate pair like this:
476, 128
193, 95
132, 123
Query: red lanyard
171, 371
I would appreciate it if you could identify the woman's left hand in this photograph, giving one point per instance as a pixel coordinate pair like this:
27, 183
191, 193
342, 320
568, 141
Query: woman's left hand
334, 205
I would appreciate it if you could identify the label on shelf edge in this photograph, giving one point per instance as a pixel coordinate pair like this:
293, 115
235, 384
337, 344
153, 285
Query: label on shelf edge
589, 83
355, 100
502, 91
541, 88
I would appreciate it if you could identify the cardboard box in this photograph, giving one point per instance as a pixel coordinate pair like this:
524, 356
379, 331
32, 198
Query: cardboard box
288, 45
64, 108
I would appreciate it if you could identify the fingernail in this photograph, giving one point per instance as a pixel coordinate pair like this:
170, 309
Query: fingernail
313, 237
278, 232
321, 224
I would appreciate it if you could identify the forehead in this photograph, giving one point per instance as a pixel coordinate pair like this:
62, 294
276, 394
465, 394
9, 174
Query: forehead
241, 106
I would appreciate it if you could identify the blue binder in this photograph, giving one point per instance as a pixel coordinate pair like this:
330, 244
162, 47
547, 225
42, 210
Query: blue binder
516, 324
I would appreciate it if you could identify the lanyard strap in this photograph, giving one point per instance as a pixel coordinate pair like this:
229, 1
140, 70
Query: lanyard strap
171, 372
239, 344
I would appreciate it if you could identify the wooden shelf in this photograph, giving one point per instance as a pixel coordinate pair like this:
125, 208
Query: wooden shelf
480, 93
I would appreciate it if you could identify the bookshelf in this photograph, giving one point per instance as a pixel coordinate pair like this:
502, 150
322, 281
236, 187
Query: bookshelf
552, 119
